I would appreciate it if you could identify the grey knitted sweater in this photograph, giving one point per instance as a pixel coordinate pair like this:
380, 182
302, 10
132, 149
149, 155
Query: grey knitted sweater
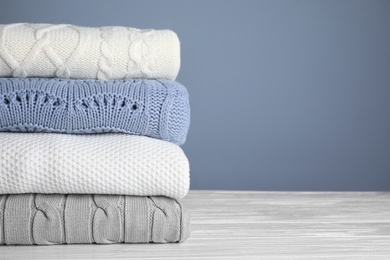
28, 219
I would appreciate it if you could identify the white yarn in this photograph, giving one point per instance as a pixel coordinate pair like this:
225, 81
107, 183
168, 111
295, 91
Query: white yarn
68, 51
92, 164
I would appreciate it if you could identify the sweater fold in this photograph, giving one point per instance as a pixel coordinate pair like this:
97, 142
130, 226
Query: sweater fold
154, 108
41, 219
69, 51
116, 164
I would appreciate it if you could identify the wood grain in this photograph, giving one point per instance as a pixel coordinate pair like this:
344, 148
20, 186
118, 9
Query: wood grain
257, 225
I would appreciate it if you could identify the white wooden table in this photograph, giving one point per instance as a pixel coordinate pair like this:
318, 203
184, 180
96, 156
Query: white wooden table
257, 225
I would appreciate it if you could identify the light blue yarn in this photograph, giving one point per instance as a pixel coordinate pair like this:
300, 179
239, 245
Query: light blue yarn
155, 108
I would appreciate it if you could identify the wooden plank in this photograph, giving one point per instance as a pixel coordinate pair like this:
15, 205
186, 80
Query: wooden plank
257, 225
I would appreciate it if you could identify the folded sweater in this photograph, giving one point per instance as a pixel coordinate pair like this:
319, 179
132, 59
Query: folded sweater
155, 108
92, 164
38, 219
68, 51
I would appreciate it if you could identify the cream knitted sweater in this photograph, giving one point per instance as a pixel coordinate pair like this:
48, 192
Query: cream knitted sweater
68, 51
92, 164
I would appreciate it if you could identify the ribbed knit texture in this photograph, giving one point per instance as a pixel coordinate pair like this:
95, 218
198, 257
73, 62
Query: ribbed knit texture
155, 108
68, 51
119, 164
37, 219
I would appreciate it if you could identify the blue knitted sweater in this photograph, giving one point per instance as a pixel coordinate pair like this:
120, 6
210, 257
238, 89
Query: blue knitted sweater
155, 108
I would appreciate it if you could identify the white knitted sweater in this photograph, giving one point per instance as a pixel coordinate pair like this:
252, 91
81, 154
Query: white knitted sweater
92, 164
68, 51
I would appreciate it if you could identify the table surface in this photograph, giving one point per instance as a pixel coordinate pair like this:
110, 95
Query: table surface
257, 225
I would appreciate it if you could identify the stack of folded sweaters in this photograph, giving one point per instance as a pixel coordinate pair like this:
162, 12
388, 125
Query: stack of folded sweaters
91, 121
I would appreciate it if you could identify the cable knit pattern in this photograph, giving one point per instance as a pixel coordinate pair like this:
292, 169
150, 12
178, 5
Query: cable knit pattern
155, 108
38, 219
68, 51
92, 164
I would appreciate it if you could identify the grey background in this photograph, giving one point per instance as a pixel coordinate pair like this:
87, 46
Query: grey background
285, 95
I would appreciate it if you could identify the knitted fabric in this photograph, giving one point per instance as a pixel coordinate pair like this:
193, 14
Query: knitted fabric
92, 164
38, 219
155, 108
68, 51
